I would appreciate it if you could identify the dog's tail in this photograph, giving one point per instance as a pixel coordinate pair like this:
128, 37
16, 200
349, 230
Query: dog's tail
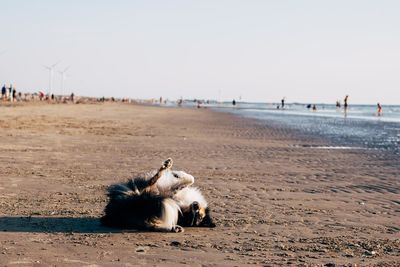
121, 191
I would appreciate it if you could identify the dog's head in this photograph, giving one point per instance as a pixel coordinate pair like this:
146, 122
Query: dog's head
194, 208
197, 216
174, 180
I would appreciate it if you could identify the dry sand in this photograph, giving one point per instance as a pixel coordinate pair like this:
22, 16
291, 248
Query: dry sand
276, 200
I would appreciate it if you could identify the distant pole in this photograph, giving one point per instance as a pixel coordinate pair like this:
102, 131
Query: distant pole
51, 73
62, 84
50, 80
63, 76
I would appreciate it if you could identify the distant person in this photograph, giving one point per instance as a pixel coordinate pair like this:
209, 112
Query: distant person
10, 94
346, 104
314, 107
308, 106
14, 94
338, 104
379, 109
233, 102
160, 100
3, 92
283, 103
180, 102
72, 97
7, 93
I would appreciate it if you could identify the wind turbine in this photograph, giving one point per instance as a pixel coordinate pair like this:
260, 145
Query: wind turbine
51, 73
63, 77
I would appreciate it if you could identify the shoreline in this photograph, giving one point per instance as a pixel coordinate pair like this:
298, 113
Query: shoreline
381, 136
275, 201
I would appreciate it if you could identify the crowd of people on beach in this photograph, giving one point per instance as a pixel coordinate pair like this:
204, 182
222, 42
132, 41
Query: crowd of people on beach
281, 106
313, 107
346, 106
10, 93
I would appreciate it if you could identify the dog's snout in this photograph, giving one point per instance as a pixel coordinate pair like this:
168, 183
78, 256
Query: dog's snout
195, 206
190, 179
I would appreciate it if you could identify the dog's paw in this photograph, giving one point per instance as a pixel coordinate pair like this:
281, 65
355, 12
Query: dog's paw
178, 229
167, 164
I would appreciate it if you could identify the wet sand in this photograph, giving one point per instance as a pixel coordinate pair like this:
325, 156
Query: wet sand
275, 198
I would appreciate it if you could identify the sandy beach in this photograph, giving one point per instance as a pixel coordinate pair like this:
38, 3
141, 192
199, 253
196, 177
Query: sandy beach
276, 199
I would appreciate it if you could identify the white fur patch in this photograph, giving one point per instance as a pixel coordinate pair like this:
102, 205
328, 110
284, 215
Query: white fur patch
174, 179
186, 196
169, 217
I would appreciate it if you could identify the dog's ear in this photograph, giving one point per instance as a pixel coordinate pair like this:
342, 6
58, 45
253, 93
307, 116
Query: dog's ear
207, 220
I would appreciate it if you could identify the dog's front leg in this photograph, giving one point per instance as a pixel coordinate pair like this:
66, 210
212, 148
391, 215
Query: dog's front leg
167, 164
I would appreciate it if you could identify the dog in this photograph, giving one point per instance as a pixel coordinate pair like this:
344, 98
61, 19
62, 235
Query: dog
163, 200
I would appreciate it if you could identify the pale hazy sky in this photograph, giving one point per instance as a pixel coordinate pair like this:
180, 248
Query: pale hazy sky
307, 51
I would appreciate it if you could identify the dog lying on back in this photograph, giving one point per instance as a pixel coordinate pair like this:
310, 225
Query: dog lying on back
164, 200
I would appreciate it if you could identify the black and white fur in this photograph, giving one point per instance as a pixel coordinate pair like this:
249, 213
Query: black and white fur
194, 208
161, 201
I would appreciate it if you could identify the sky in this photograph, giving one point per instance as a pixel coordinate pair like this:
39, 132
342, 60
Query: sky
260, 51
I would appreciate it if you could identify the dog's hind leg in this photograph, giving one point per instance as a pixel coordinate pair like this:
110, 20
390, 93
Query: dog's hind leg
167, 222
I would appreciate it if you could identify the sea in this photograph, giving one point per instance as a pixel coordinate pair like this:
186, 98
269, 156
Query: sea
358, 128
